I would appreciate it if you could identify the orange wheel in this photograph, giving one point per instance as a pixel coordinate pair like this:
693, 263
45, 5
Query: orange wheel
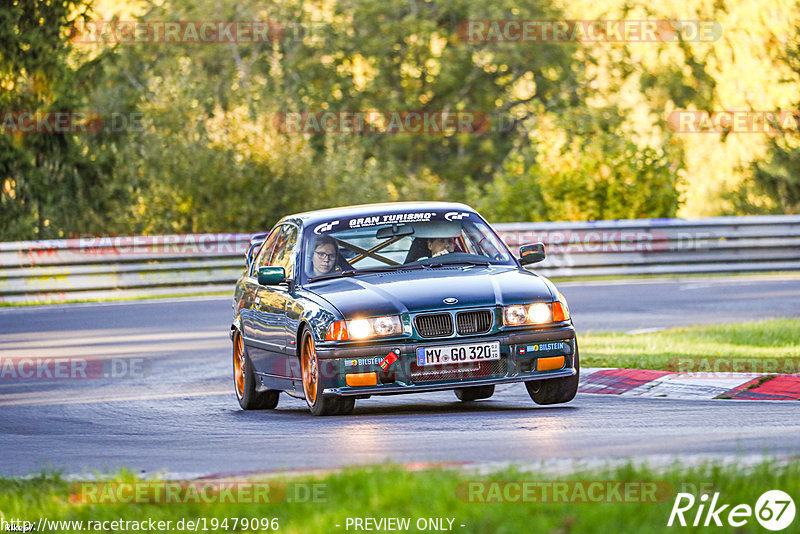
238, 364
244, 380
310, 371
318, 403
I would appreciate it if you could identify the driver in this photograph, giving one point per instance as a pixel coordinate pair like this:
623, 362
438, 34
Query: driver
323, 259
440, 245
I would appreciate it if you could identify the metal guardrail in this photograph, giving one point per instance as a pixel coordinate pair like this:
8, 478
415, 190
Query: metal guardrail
102, 267
662, 246
132, 266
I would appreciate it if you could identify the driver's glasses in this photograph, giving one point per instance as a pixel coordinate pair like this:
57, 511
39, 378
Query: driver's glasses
323, 256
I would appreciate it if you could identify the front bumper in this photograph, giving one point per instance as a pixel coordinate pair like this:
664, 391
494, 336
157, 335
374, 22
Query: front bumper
442, 386
519, 356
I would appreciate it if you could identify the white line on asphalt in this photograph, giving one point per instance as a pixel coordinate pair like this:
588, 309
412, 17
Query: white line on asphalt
44, 341
110, 351
34, 307
35, 399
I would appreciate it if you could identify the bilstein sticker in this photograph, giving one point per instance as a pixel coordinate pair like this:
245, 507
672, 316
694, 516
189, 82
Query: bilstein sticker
545, 347
363, 361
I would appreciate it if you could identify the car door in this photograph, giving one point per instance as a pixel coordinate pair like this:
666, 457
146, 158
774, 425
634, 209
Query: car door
250, 287
270, 322
292, 310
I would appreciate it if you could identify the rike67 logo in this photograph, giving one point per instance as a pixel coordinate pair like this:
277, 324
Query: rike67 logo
774, 510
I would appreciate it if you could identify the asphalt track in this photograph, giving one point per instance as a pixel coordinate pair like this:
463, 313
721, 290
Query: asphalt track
178, 414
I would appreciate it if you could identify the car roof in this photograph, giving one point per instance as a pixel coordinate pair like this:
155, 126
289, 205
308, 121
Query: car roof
364, 210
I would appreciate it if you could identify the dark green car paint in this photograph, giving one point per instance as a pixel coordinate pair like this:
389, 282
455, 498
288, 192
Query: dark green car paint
273, 317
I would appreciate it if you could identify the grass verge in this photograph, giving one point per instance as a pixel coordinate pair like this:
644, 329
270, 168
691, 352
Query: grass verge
768, 346
393, 492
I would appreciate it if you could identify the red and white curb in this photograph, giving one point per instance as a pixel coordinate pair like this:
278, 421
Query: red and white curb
652, 383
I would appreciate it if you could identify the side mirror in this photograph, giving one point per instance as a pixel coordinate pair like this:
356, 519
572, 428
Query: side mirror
531, 253
271, 276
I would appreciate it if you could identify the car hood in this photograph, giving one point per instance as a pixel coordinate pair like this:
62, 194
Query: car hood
414, 291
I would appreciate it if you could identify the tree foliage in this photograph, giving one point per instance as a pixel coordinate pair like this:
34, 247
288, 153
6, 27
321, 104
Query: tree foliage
779, 174
568, 140
51, 183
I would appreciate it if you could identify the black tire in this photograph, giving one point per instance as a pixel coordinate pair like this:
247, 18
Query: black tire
318, 403
244, 381
474, 393
555, 390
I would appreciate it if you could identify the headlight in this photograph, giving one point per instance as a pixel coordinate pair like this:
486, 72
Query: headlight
514, 315
539, 313
388, 325
536, 313
359, 328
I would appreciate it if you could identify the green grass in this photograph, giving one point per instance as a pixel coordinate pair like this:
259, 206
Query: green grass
394, 492
768, 346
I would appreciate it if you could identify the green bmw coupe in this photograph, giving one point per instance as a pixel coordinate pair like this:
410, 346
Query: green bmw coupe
382, 299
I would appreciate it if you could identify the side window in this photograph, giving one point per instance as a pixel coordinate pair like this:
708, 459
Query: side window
284, 253
266, 250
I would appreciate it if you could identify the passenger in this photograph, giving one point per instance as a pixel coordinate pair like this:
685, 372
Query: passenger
323, 259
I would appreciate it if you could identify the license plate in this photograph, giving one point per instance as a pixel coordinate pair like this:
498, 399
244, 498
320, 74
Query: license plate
447, 354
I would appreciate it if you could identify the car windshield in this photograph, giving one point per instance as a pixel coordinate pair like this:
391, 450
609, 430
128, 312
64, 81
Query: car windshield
425, 239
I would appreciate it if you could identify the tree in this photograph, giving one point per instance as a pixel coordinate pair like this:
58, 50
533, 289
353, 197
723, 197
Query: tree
583, 168
211, 137
779, 175
50, 184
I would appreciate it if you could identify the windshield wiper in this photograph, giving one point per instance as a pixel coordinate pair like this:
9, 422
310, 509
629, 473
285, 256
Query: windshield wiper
354, 272
373, 270
459, 262
328, 276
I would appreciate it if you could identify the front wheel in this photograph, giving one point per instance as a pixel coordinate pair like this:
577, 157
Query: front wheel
244, 380
318, 403
555, 390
